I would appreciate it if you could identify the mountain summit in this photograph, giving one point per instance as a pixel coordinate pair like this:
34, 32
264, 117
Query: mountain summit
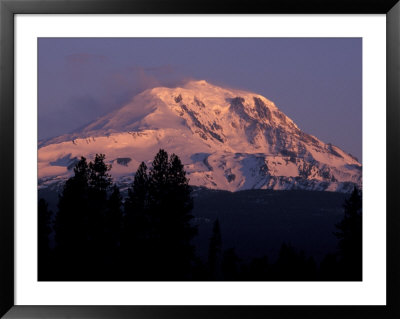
228, 139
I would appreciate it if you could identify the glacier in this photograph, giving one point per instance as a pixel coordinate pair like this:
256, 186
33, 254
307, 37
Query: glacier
227, 139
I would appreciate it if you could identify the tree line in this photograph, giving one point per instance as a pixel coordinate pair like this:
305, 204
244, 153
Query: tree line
147, 236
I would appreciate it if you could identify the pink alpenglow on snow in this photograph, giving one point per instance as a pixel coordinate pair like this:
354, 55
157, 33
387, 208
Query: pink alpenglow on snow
227, 139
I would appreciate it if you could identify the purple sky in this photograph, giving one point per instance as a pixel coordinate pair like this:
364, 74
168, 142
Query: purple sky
316, 82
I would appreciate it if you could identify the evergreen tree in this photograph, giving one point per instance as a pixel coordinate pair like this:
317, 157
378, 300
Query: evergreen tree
328, 270
158, 182
294, 266
72, 219
99, 183
177, 221
44, 225
44, 230
113, 218
179, 190
136, 228
311, 269
112, 235
157, 206
156, 224
214, 252
71, 224
230, 265
169, 206
259, 270
136, 203
80, 222
350, 237
138, 192
287, 263
99, 179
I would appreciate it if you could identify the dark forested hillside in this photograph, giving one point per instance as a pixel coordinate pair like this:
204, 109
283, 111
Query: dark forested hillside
257, 222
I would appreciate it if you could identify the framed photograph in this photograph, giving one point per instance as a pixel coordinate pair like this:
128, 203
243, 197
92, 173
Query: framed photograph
163, 160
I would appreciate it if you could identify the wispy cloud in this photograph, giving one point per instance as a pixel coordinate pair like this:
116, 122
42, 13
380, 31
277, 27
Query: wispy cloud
161, 70
93, 86
79, 59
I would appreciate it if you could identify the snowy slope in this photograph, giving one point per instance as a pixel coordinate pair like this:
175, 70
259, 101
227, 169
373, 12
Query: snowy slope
227, 139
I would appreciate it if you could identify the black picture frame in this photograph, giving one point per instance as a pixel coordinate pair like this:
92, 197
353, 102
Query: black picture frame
8, 8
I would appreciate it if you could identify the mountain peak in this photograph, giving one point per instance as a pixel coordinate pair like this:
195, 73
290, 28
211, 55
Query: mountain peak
227, 139
197, 83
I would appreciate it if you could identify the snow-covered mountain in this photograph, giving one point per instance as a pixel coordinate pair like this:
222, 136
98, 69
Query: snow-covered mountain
228, 139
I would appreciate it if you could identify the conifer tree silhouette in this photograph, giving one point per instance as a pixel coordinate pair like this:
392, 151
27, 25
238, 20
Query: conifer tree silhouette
286, 263
293, 266
350, 238
113, 217
169, 206
136, 226
99, 178
329, 268
177, 222
230, 265
112, 233
214, 252
136, 205
44, 230
157, 222
99, 183
80, 221
150, 240
71, 224
259, 269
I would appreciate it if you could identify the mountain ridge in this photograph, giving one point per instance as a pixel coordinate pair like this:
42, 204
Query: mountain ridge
227, 139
